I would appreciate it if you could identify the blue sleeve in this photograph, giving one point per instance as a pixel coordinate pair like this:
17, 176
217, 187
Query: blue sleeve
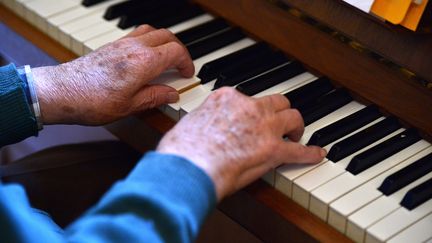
17, 121
164, 199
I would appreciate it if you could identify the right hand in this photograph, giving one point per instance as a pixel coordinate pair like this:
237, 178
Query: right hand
236, 139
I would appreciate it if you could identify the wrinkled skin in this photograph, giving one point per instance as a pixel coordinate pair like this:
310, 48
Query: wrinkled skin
236, 139
112, 82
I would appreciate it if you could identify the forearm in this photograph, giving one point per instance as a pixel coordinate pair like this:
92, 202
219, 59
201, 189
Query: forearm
165, 199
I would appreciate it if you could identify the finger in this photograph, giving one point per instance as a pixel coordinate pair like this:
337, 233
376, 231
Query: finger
140, 30
290, 152
252, 175
151, 96
292, 124
174, 55
277, 102
158, 37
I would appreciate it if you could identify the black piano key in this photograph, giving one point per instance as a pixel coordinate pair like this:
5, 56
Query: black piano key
154, 14
129, 7
325, 105
309, 92
208, 45
178, 16
270, 79
418, 195
405, 176
344, 126
211, 70
363, 138
89, 3
250, 69
201, 31
376, 154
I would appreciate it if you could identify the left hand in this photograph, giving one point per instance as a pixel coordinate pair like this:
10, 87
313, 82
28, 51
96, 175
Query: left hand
112, 82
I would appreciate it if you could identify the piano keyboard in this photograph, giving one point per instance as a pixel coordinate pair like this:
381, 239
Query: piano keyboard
375, 184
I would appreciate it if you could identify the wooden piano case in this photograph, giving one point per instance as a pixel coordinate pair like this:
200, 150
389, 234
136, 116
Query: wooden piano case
259, 208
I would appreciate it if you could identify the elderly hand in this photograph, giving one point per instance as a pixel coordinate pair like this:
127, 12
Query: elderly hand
112, 82
236, 139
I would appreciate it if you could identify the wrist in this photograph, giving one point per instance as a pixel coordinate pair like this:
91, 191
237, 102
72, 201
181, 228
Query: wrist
26, 75
52, 95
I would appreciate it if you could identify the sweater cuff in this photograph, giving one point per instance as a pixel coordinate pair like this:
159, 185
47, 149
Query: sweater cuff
186, 183
166, 191
17, 121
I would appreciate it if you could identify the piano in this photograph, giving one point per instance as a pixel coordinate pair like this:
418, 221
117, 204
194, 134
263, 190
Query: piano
363, 87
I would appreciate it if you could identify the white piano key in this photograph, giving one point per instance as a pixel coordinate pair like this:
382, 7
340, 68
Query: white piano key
190, 106
99, 41
190, 23
202, 90
361, 196
206, 89
9, 4
68, 29
173, 79
307, 182
17, 6
325, 194
74, 14
200, 96
396, 222
421, 231
293, 83
342, 112
39, 11
56, 21
286, 174
359, 221
79, 38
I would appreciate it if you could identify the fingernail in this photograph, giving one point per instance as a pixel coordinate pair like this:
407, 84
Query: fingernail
172, 97
323, 153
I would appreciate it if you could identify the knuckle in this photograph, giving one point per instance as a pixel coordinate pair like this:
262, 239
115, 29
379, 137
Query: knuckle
151, 99
144, 27
297, 116
226, 92
286, 99
165, 32
178, 47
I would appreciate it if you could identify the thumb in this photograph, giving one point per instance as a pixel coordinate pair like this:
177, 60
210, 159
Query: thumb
151, 96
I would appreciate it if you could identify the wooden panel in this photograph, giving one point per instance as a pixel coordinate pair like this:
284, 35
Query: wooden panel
405, 48
361, 74
273, 217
